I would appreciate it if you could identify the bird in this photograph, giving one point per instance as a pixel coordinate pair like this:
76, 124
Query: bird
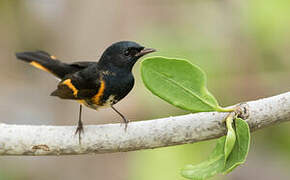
94, 84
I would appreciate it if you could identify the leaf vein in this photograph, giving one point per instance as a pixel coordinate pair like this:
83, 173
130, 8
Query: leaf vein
186, 89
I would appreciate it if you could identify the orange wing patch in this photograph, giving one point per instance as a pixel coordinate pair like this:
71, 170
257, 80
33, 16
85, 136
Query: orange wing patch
69, 84
97, 97
39, 66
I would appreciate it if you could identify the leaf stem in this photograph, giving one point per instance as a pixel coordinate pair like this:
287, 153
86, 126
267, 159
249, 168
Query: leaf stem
231, 135
221, 109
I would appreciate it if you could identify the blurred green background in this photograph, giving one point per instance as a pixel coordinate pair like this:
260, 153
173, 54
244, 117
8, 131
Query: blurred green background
243, 45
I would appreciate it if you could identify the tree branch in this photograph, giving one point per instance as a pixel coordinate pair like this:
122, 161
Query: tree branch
108, 138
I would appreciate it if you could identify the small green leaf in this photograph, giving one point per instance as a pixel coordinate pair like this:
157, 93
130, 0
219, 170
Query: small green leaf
178, 82
230, 138
240, 151
206, 169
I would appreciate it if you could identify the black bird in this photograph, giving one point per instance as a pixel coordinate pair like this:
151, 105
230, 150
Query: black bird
93, 84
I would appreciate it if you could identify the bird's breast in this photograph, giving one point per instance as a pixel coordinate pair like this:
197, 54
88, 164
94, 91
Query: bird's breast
117, 87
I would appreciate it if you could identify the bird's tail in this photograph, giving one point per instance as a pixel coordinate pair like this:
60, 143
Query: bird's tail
46, 62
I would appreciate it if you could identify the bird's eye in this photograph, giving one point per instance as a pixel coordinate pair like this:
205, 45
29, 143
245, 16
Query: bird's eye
131, 52
127, 52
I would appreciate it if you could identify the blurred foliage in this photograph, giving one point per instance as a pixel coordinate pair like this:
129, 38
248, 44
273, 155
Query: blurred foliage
166, 163
268, 23
11, 175
243, 46
263, 35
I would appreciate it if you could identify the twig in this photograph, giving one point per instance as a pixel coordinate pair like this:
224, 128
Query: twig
108, 138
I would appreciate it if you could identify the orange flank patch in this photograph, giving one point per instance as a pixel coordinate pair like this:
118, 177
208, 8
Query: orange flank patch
97, 97
53, 57
39, 66
69, 84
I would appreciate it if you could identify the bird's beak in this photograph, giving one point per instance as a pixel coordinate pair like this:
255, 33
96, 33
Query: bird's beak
145, 51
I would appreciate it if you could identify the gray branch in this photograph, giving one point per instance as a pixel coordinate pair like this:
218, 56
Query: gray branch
109, 138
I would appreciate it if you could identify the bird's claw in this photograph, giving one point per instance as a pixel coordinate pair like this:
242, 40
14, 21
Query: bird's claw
126, 123
79, 131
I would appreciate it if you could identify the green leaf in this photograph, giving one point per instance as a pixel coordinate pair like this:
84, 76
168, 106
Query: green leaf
178, 82
235, 145
240, 151
206, 169
231, 136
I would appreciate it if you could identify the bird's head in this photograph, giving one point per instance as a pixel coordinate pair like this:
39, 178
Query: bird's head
123, 54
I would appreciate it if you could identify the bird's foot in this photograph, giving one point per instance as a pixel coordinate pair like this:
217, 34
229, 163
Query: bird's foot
126, 123
80, 131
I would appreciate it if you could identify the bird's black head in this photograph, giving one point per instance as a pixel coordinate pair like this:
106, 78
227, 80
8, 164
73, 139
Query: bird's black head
123, 54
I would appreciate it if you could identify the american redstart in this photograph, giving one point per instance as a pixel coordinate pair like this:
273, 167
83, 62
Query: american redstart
93, 84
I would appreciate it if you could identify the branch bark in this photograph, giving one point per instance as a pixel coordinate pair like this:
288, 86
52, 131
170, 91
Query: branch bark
108, 138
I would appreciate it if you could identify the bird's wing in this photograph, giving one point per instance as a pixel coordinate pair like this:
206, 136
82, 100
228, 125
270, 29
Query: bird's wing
81, 85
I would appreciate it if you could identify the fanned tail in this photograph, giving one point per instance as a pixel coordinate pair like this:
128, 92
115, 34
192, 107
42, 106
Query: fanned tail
46, 62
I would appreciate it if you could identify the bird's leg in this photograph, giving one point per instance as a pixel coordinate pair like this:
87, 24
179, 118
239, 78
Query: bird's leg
126, 121
80, 128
